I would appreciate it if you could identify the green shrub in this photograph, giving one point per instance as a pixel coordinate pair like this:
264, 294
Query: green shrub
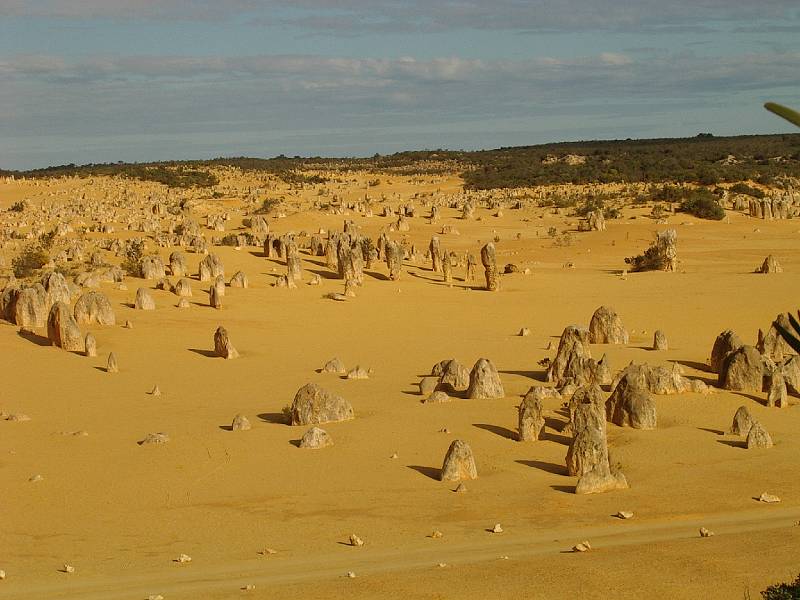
783, 591
743, 188
131, 263
29, 261
703, 205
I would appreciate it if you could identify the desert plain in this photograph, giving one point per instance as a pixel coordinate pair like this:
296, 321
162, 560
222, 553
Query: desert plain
261, 517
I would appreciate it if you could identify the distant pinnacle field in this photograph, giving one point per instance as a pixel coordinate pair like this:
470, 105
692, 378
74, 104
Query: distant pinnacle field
393, 381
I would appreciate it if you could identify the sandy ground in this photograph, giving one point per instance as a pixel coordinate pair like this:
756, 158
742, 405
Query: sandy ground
121, 513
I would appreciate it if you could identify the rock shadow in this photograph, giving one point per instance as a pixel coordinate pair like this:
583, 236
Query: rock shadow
553, 468
497, 430
206, 353
432, 472
734, 443
276, 418
33, 337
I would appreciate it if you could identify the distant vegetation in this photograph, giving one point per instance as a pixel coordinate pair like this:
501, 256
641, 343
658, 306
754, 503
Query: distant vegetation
704, 160
703, 204
783, 591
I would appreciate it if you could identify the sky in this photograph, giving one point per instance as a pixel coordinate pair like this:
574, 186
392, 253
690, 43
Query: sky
143, 80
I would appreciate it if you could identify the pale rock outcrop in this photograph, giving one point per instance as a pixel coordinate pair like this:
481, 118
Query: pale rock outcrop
313, 404
660, 340
484, 381
726, 342
144, 301
489, 260
770, 265
94, 307
631, 404
62, 330
239, 280
240, 423
742, 421
606, 327
222, 344
334, 365
758, 437
315, 438
459, 463
531, 417
742, 370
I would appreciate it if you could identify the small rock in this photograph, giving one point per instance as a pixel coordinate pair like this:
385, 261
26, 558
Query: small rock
154, 438
183, 559
67, 568
155, 597
155, 391
351, 574
240, 423
768, 498
36, 478
267, 552
441, 565
128, 325
444, 430
394, 455
624, 514
497, 528
249, 587
2, 575
524, 332
461, 489
18, 418
436, 534
356, 541
584, 546
704, 533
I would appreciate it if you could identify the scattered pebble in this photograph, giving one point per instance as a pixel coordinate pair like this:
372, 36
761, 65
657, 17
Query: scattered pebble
436, 534
355, 540
394, 455
249, 587
155, 597
624, 514
2, 575
441, 565
67, 568
155, 438
183, 559
497, 528
267, 552
36, 477
461, 489
705, 532
155, 391
351, 574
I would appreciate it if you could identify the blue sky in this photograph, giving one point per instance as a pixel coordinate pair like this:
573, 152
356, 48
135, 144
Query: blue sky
138, 80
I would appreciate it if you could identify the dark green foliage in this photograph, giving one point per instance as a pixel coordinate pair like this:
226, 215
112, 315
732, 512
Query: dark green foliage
703, 205
701, 159
134, 252
743, 188
18, 206
783, 591
268, 206
593, 203
32, 258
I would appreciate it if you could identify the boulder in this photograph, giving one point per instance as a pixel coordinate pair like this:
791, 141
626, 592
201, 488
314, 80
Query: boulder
758, 437
742, 421
316, 437
484, 381
94, 307
313, 404
631, 404
531, 417
742, 370
726, 342
144, 301
606, 327
459, 463
240, 423
770, 265
660, 340
239, 280
334, 365
62, 330
222, 344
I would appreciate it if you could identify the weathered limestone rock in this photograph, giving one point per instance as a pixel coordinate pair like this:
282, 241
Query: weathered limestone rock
453, 374
57, 288
315, 438
606, 327
90, 345
111, 365
62, 330
182, 288
776, 390
660, 380
436, 254
742, 371
484, 381
742, 421
631, 404
31, 307
214, 297
726, 342
531, 417
94, 307
210, 268
394, 259
334, 365
152, 267
222, 344
313, 404
772, 345
144, 301
459, 463
239, 280
660, 340
598, 481
596, 220
758, 437
183, 303
489, 260
572, 349
240, 423
661, 256
437, 396
770, 265
586, 407
177, 264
